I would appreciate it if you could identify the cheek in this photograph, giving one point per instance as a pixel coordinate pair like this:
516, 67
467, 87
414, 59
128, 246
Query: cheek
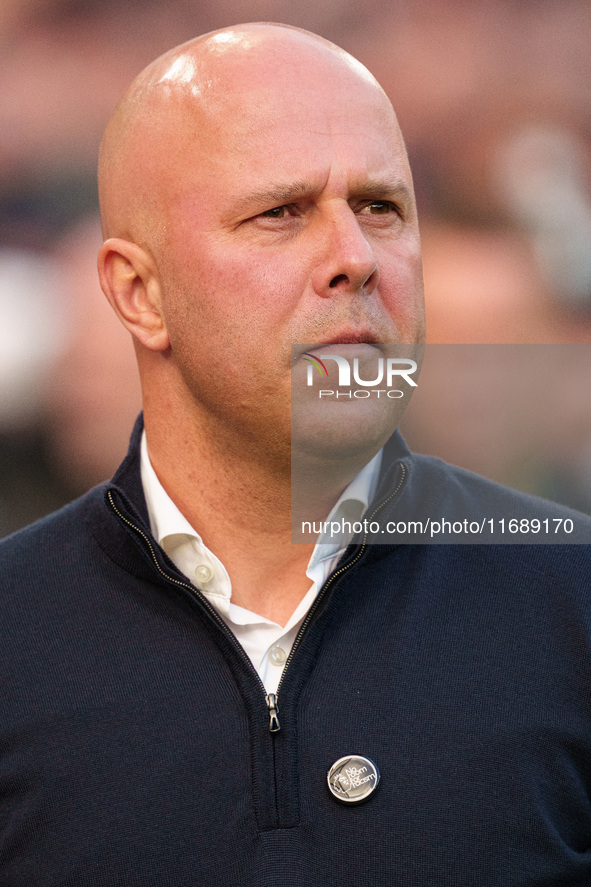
402, 289
222, 299
248, 289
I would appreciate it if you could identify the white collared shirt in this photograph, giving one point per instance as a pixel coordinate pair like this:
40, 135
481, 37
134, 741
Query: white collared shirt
267, 644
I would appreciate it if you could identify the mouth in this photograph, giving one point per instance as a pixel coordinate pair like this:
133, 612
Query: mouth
346, 337
361, 338
349, 343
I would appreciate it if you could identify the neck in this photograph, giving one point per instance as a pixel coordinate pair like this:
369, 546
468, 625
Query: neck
236, 491
247, 482
241, 507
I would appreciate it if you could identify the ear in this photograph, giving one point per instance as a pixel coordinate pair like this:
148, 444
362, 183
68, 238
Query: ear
130, 282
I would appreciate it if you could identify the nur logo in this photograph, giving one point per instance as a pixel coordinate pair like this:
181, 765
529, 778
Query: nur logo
314, 362
387, 371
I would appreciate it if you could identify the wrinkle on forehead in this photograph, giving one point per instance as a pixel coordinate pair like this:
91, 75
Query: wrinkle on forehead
187, 92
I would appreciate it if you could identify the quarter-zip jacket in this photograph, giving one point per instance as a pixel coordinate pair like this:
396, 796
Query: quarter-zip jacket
138, 747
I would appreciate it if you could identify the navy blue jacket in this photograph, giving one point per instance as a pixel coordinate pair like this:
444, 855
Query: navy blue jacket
135, 741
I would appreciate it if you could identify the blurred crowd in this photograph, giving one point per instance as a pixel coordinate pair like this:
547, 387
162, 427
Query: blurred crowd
495, 105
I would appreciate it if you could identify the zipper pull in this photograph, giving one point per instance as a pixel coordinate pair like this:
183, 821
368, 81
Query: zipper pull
274, 724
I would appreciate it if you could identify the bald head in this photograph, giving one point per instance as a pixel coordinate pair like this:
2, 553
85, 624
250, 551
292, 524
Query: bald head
179, 107
255, 193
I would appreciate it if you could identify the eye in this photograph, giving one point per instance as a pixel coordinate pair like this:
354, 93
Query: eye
278, 212
379, 208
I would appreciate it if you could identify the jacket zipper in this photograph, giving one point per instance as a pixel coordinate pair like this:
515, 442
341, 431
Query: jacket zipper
271, 699
195, 592
274, 725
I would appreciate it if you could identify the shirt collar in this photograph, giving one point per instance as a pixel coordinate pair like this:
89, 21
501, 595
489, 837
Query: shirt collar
165, 518
349, 508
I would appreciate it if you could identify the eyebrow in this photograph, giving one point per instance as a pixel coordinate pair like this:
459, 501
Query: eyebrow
279, 194
386, 189
276, 195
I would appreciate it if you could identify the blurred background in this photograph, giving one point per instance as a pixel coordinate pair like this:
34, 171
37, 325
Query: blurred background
495, 105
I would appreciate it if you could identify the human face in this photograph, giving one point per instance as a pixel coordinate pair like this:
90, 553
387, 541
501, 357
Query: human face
292, 220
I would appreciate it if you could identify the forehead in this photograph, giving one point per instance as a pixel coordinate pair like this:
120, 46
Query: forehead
283, 120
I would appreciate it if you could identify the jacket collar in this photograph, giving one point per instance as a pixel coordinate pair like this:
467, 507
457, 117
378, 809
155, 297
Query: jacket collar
127, 478
126, 513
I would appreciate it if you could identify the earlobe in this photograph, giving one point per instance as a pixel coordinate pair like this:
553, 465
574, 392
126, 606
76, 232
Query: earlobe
130, 282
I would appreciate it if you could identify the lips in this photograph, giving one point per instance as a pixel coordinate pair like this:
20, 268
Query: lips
362, 337
351, 337
344, 341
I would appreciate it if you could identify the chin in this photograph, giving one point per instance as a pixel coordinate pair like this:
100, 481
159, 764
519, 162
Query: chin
341, 431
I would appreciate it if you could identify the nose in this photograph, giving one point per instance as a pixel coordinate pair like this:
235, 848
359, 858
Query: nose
347, 264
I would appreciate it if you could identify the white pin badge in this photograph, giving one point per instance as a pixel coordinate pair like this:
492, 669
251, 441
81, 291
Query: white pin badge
353, 779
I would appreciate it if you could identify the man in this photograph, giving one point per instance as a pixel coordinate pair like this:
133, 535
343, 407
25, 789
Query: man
180, 677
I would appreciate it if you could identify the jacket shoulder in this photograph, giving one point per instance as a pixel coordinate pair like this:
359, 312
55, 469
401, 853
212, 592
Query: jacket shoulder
56, 536
437, 495
453, 483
